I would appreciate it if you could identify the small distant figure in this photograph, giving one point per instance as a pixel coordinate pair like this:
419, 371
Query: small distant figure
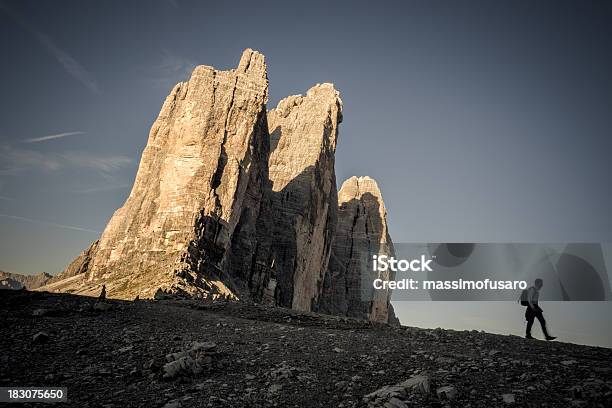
529, 298
102, 294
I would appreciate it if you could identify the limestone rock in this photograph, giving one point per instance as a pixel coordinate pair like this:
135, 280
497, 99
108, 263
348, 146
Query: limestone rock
40, 337
79, 265
191, 361
393, 320
203, 164
418, 384
41, 312
508, 398
298, 214
448, 393
361, 232
282, 257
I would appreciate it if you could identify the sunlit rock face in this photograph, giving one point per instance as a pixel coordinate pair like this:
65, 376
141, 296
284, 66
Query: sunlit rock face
236, 201
204, 162
360, 233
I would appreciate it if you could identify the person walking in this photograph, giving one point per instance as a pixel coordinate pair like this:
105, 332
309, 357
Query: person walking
534, 310
102, 296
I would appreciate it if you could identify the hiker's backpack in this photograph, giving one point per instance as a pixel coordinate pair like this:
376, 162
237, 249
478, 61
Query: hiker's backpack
524, 297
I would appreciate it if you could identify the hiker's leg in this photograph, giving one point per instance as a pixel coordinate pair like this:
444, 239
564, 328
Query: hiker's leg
540, 317
529, 316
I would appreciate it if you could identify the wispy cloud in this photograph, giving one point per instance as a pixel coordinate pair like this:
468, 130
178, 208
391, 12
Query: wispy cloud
51, 137
51, 224
14, 161
70, 65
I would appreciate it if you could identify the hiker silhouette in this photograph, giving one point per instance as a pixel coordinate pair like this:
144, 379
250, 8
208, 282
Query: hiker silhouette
529, 298
102, 293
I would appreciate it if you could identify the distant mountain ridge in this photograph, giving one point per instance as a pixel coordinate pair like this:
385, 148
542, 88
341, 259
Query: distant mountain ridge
18, 281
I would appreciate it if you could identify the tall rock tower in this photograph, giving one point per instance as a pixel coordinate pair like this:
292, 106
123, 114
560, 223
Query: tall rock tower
361, 232
303, 135
298, 213
203, 166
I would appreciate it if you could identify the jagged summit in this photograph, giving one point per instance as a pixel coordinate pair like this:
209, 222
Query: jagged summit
284, 259
281, 257
355, 187
236, 201
324, 91
253, 63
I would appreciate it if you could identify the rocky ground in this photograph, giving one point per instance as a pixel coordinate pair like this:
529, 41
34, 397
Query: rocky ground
175, 353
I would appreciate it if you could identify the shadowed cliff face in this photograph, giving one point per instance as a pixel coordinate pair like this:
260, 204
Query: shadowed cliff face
304, 131
361, 232
262, 268
286, 261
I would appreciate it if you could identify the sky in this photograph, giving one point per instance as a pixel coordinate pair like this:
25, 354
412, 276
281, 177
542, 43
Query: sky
482, 121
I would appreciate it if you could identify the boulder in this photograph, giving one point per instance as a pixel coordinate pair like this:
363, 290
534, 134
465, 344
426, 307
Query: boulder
418, 384
447, 393
40, 337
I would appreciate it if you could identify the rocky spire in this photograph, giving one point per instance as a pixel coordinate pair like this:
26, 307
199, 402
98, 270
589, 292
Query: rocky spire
204, 161
295, 226
360, 233
303, 136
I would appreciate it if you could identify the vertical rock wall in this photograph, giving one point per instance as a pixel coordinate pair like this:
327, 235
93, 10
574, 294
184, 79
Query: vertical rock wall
205, 152
360, 233
303, 136
283, 261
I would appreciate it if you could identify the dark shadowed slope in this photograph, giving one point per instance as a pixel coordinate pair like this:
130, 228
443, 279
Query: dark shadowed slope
114, 353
